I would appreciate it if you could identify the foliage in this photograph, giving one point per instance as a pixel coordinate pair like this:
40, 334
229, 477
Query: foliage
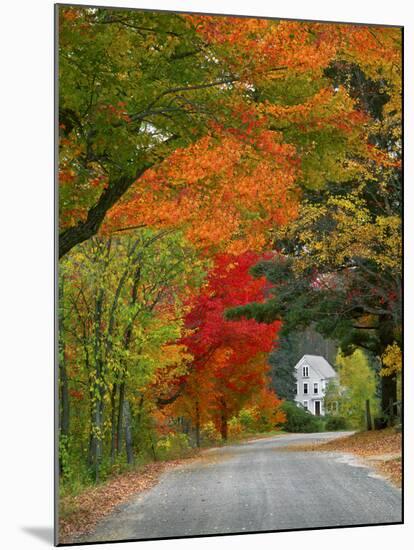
338, 263
235, 428
357, 384
391, 360
282, 362
298, 420
266, 410
138, 88
123, 304
333, 423
226, 185
229, 365
247, 419
173, 445
209, 433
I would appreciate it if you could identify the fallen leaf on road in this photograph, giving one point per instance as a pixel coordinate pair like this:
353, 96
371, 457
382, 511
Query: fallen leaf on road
382, 448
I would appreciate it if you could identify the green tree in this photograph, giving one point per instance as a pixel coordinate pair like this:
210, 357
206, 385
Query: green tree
123, 304
357, 384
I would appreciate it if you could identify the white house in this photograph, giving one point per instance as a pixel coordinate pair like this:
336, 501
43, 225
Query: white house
313, 372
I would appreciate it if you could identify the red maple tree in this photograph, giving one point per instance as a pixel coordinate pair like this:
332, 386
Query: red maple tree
229, 356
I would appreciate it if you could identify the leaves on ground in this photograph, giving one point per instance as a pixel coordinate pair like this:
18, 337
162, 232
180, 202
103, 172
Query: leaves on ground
381, 448
80, 513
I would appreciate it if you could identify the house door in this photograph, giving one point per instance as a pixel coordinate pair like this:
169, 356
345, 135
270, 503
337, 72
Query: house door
317, 408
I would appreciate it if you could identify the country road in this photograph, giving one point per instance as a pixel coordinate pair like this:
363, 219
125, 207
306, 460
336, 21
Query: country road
256, 486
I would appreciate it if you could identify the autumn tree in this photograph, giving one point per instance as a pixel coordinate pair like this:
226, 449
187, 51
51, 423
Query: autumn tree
123, 305
338, 264
230, 355
133, 87
341, 303
356, 385
136, 86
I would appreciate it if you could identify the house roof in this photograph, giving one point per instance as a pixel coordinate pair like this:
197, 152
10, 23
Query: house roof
320, 364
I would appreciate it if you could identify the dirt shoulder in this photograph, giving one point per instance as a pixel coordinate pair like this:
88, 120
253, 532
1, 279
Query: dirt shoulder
381, 449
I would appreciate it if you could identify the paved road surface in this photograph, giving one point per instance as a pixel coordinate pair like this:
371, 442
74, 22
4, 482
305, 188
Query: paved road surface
256, 487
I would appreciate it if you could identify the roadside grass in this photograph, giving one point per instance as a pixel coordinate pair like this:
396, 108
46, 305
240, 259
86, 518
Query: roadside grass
82, 507
380, 448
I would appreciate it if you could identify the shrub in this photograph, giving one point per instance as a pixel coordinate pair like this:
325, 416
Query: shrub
209, 433
333, 423
247, 419
235, 428
300, 420
173, 445
64, 458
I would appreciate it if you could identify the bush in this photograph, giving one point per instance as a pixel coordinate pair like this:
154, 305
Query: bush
300, 420
209, 433
235, 428
172, 446
247, 420
333, 423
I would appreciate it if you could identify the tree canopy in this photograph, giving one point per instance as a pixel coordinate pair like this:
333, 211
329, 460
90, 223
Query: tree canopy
140, 91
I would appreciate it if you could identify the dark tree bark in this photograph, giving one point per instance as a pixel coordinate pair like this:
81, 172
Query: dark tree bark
84, 230
163, 401
95, 449
64, 403
120, 416
63, 375
197, 423
368, 415
389, 397
128, 433
223, 421
113, 422
64, 400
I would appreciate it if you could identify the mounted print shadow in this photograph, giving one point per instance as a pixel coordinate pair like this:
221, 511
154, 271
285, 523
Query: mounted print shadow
229, 275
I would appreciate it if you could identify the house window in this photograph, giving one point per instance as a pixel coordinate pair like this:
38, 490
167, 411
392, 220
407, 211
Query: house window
305, 371
305, 405
315, 388
296, 388
305, 388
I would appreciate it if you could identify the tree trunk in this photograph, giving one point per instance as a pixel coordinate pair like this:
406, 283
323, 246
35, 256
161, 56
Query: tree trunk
86, 229
120, 417
368, 415
95, 449
113, 422
223, 421
64, 404
388, 383
64, 401
197, 424
128, 433
388, 397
